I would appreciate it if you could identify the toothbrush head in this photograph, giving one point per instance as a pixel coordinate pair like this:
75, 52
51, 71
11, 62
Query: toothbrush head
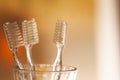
13, 35
60, 32
30, 32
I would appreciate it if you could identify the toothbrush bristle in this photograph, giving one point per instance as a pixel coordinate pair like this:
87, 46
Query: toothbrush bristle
30, 32
60, 32
13, 34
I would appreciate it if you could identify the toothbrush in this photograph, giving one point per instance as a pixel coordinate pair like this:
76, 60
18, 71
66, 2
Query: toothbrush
59, 40
30, 38
14, 39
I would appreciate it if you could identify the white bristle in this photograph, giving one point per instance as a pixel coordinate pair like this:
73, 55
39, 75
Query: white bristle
13, 35
30, 33
60, 32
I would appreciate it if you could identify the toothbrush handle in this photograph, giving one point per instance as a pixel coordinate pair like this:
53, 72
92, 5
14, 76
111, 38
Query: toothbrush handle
17, 62
57, 66
58, 61
28, 55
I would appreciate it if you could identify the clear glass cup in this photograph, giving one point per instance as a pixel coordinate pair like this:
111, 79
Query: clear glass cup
45, 72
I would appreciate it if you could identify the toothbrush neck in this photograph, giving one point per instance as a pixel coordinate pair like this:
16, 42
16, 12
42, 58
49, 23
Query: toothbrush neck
59, 45
59, 54
28, 46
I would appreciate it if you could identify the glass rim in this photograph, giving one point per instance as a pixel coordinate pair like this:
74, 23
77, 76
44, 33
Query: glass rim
72, 69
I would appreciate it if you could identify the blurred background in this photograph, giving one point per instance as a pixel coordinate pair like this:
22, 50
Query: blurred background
92, 43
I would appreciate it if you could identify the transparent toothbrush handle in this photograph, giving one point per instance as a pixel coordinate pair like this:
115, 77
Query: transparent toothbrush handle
16, 59
28, 55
